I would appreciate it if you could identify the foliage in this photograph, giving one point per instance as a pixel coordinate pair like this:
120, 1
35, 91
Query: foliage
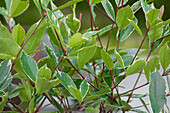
74, 53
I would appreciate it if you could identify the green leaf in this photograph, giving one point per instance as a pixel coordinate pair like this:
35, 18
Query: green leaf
29, 66
127, 59
90, 33
37, 4
18, 34
136, 6
168, 81
157, 94
119, 59
5, 67
150, 66
107, 59
42, 85
18, 7
164, 56
6, 82
44, 72
85, 55
2, 11
84, 87
145, 6
136, 67
95, 1
90, 109
72, 23
124, 2
4, 32
4, 99
56, 104
50, 53
63, 30
52, 17
161, 23
8, 5
138, 111
76, 40
103, 91
122, 17
109, 9
66, 81
76, 93
136, 27
143, 102
9, 47
98, 102
152, 15
31, 104
36, 38
70, 3
125, 105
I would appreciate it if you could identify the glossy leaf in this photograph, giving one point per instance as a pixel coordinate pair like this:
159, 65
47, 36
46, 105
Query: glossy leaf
145, 6
76, 40
95, 1
85, 55
4, 70
63, 30
52, 17
50, 53
119, 59
164, 56
136, 67
66, 81
18, 34
37, 4
151, 65
125, 33
8, 47
127, 59
72, 23
122, 17
18, 7
44, 72
117, 2
42, 85
84, 87
152, 15
4, 99
108, 8
90, 33
76, 93
107, 59
7, 81
157, 95
4, 32
29, 66
136, 27
70, 3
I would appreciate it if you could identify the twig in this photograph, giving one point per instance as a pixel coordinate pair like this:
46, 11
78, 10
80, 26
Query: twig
162, 37
40, 105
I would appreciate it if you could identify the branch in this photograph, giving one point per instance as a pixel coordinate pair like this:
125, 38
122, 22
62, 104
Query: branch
162, 37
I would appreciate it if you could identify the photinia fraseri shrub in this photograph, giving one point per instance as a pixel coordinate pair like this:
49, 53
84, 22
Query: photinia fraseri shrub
54, 78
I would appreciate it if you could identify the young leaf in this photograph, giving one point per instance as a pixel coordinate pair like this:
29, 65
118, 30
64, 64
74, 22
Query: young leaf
29, 66
4, 32
4, 70
119, 59
109, 9
122, 17
70, 3
44, 72
90, 33
85, 55
76, 40
52, 17
50, 53
72, 23
145, 6
152, 15
76, 93
18, 7
42, 85
151, 65
107, 59
124, 2
136, 67
95, 1
84, 87
136, 27
18, 34
37, 4
164, 56
157, 94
